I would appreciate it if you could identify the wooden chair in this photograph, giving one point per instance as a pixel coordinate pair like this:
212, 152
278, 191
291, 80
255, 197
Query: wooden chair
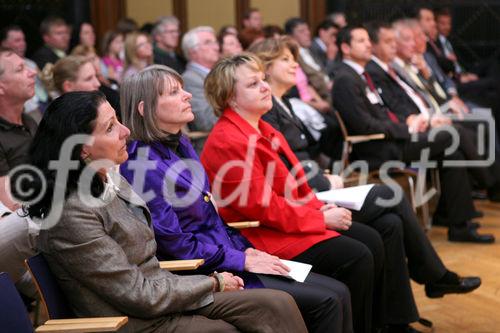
192, 264
15, 318
244, 224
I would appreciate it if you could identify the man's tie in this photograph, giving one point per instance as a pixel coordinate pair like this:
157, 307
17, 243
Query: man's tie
371, 86
392, 73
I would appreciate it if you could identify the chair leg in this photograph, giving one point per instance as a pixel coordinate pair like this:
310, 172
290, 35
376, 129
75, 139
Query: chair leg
411, 187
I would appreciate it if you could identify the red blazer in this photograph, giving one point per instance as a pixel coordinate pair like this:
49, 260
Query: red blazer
237, 159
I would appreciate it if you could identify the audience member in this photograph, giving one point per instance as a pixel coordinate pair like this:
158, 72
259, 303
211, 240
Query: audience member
17, 85
102, 248
138, 53
166, 39
443, 23
83, 35
305, 144
324, 47
364, 112
56, 35
112, 48
107, 87
252, 19
19, 236
294, 224
298, 29
201, 49
229, 44
156, 108
12, 37
73, 73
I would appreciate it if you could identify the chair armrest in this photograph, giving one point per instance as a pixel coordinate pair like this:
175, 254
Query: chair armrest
181, 265
364, 138
244, 224
83, 325
193, 135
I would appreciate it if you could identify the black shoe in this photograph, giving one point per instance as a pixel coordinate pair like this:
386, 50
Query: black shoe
470, 235
464, 285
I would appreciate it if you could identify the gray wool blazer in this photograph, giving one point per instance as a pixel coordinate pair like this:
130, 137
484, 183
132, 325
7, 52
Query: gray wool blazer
104, 261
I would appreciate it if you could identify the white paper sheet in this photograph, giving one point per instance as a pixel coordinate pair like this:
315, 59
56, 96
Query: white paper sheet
298, 271
351, 197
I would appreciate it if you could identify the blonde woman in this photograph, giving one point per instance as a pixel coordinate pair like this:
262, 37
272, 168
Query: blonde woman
138, 53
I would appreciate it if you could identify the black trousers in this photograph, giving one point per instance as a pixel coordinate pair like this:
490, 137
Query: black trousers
408, 253
455, 203
484, 177
325, 303
357, 261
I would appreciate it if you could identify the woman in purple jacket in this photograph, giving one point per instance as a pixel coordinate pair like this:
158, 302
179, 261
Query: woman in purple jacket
165, 170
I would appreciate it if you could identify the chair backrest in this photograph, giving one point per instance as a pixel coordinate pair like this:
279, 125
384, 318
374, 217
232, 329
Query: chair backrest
53, 298
13, 314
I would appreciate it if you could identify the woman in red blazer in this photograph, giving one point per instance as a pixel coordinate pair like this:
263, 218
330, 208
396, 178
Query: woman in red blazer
251, 168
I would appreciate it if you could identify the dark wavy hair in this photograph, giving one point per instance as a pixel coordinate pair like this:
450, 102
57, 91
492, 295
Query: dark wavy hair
72, 113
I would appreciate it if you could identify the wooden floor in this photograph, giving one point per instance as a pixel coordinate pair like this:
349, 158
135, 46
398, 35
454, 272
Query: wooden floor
479, 311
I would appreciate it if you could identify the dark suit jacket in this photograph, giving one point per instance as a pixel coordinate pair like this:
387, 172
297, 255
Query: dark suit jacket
438, 51
361, 117
393, 95
44, 55
318, 54
299, 139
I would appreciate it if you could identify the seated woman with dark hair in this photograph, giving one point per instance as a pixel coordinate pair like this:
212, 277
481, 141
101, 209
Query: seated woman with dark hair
97, 236
408, 250
185, 220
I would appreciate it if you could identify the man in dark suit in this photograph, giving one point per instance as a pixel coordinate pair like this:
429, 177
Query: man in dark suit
364, 112
323, 47
56, 36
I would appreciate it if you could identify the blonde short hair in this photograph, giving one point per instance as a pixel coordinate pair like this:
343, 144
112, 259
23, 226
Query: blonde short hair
65, 69
270, 49
145, 86
221, 81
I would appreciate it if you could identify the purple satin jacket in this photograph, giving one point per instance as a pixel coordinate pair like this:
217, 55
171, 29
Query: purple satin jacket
186, 223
